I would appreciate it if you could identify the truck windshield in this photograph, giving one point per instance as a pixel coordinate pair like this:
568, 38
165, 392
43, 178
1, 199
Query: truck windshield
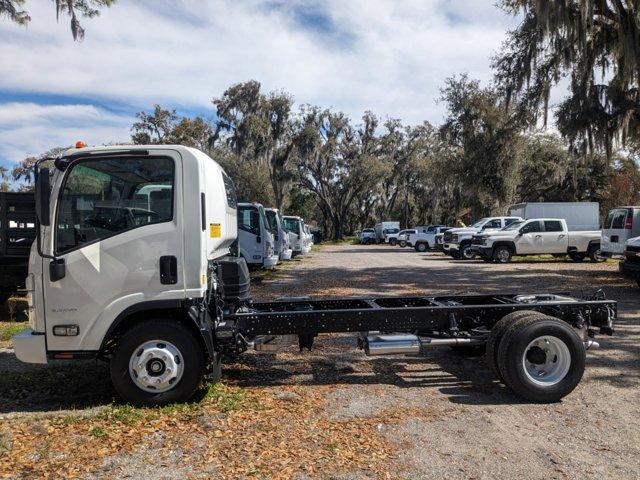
104, 197
391, 230
272, 222
514, 226
479, 223
291, 224
249, 219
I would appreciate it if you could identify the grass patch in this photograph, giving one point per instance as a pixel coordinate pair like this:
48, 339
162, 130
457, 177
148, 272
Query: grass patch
9, 329
226, 398
98, 432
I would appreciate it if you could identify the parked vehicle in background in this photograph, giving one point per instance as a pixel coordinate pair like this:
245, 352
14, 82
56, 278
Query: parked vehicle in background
403, 235
457, 241
17, 232
368, 236
391, 236
580, 216
280, 234
382, 228
536, 237
621, 224
318, 235
294, 225
308, 238
425, 238
255, 240
630, 264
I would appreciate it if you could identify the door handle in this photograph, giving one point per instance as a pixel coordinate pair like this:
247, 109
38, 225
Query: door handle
168, 270
538, 236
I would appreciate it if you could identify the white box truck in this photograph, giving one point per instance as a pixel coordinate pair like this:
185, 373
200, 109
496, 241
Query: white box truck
580, 216
386, 228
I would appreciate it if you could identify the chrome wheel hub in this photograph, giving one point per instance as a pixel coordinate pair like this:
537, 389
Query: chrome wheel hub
156, 366
503, 255
546, 360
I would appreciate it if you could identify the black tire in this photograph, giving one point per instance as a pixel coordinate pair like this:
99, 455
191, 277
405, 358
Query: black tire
163, 330
594, 254
393, 242
455, 254
502, 254
422, 247
577, 257
403, 243
497, 332
512, 352
466, 253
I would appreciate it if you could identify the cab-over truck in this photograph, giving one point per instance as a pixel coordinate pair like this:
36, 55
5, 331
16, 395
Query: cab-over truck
162, 301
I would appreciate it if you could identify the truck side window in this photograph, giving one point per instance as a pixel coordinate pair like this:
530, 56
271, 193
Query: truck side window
552, 226
509, 221
531, 227
102, 198
249, 220
492, 224
618, 218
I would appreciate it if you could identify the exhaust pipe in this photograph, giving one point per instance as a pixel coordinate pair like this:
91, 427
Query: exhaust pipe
407, 344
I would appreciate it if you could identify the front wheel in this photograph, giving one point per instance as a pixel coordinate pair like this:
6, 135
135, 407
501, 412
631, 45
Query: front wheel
541, 359
466, 253
422, 247
157, 362
502, 254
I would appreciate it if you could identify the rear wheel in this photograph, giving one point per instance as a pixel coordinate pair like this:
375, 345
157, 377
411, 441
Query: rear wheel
502, 254
541, 358
393, 242
422, 247
158, 362
595, 254
403, 243
495, 337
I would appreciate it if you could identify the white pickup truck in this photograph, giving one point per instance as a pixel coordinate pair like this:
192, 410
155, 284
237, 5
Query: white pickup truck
425, 237
457, 241
537, 236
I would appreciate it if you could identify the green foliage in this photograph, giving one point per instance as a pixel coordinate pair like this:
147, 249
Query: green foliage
597, 44
13, 10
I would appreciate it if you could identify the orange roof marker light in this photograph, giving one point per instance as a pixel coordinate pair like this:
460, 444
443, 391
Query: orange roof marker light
80, 144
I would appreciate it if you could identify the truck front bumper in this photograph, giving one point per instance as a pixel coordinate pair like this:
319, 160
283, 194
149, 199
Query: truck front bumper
270, 261
286, 254
482, 250
30, 346
451, 248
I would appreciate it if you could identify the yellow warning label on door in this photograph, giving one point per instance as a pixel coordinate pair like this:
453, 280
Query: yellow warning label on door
215, 230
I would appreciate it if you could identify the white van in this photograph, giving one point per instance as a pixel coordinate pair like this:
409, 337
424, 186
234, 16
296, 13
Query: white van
622, 223
255, 240
280, 235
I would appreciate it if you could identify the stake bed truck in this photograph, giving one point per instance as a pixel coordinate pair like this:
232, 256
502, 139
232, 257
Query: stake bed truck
162, 301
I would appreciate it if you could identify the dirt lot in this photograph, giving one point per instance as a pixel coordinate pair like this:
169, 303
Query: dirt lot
334, 413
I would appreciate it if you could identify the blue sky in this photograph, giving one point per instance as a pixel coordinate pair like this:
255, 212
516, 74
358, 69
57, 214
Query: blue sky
389, 56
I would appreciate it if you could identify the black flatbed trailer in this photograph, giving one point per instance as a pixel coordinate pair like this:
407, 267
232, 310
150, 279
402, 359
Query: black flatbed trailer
535, 343
17, 233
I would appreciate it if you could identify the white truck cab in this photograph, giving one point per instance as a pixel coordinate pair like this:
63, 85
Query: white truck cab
424, 238
457, 241
295, 226
122, 234
537, 236
256, 242
280, 235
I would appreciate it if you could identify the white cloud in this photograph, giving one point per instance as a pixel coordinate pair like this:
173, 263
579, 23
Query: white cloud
388, 56
31, 129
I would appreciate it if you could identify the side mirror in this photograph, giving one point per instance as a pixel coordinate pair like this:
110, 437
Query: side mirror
43, 192
57, 269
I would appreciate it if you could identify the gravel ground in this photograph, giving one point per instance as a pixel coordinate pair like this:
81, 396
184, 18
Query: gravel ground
440, 415
477, 428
